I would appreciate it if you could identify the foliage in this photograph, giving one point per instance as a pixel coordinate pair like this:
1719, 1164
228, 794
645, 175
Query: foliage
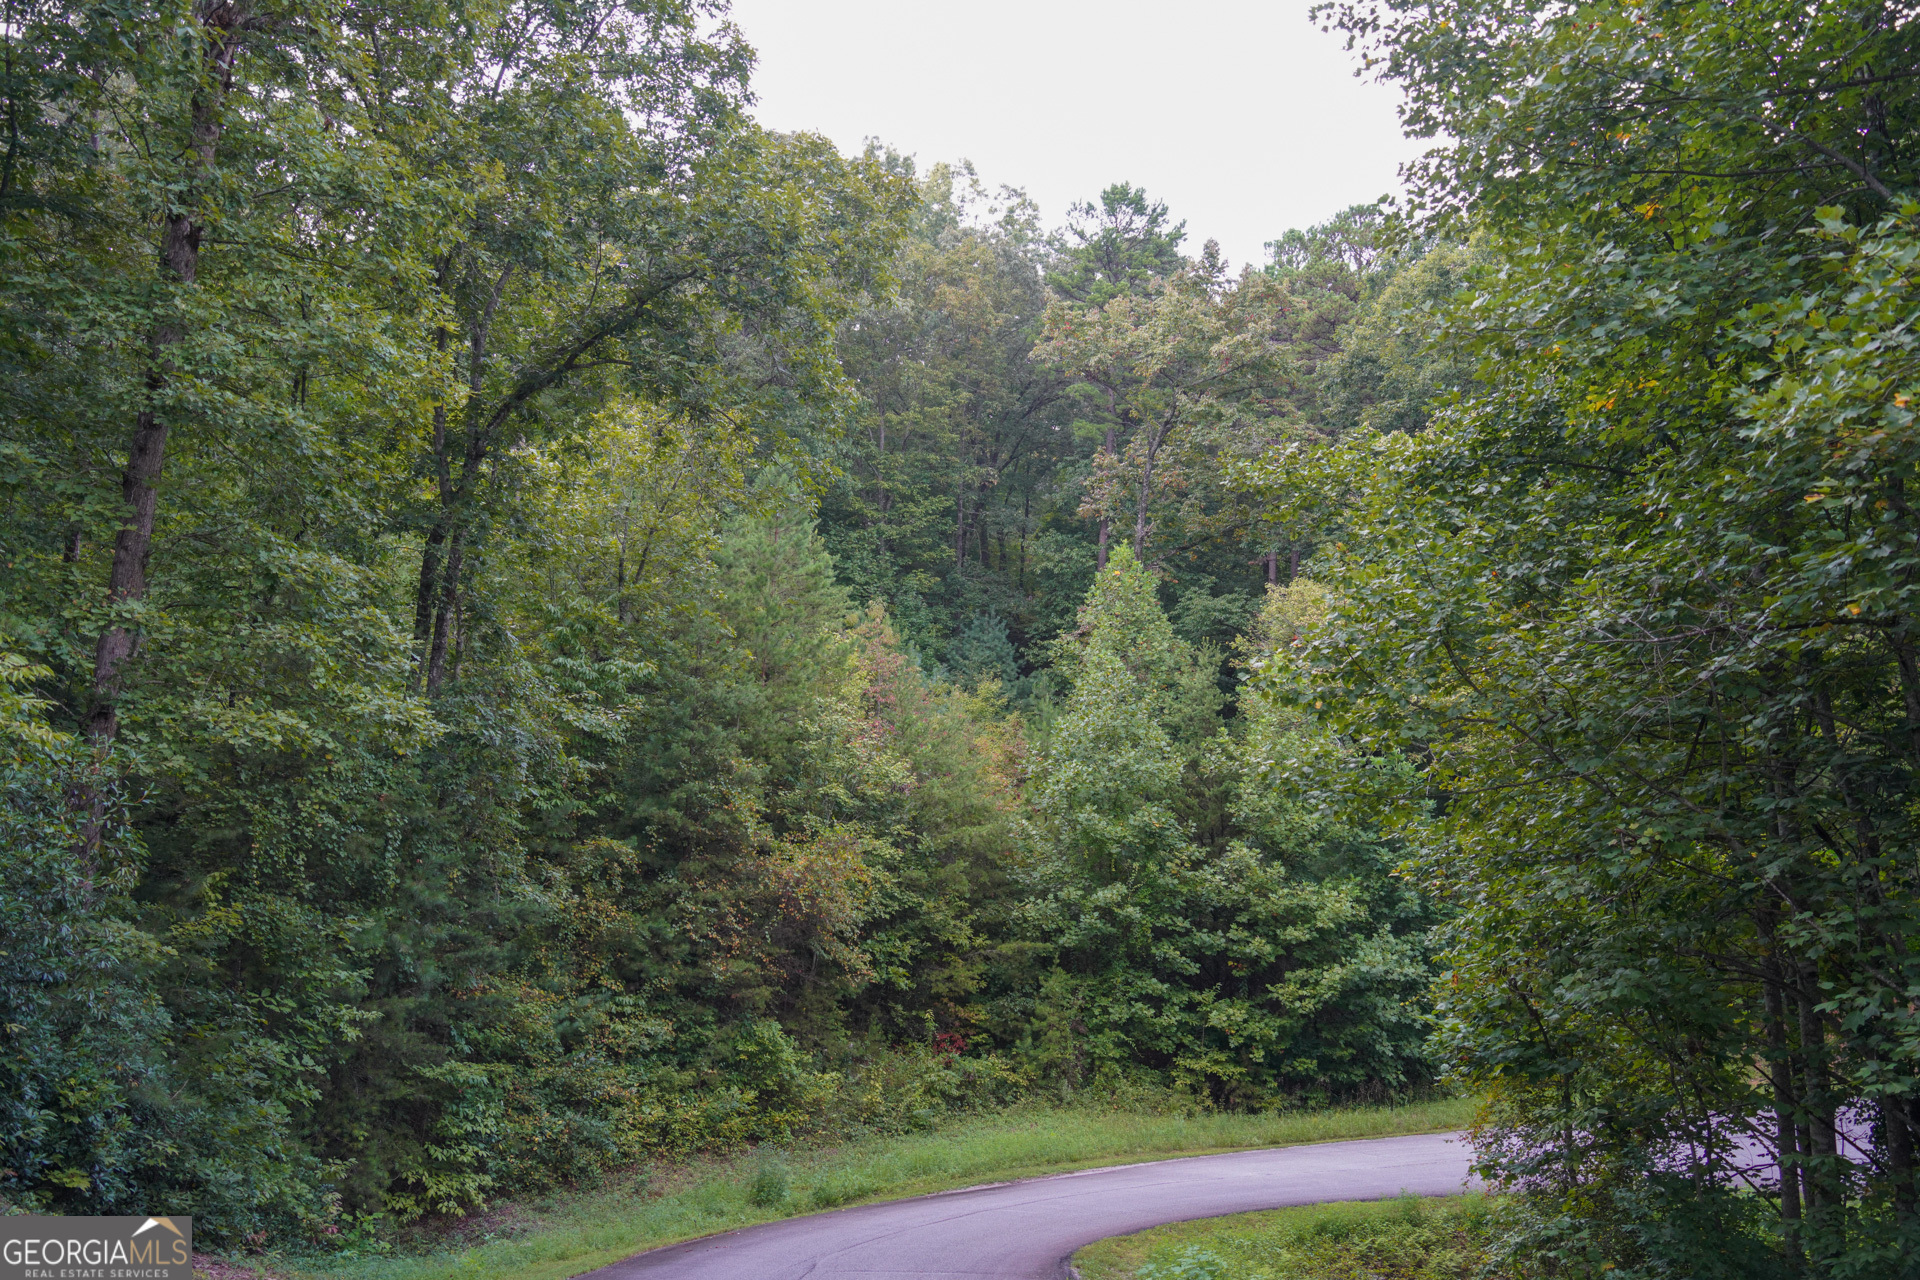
1638, 606
1446, 1238
1199, 920
525, 605
1189, 1264
1189, 372
335, 696
1022, 392
941, 512
1117, 248
1388, 374
109, 1100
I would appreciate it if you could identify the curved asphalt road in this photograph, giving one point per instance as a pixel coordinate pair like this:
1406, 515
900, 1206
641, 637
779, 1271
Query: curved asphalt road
1028, 1230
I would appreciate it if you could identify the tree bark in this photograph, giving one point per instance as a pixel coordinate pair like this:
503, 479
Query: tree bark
620, 569
960, 527
429, 585
883, 500
1821, 1145
443, 617
1146, 496
1026, 525
980, 522
1105, 519
430, 554
220, 25
1785, 1104
1903, 654
1896, 1121
455, 494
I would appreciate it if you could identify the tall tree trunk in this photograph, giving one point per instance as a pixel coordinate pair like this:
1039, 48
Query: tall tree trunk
1785, 1104
881, 496
960, 527
1146, 496
1273, 567
1026, 523
443, 617
1901, 639
428, 588
1105, 519
1817, 1095
620, 570
980, 523
220, 26
1896, 1121
454, 493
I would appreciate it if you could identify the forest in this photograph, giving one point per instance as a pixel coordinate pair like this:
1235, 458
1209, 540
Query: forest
546, 625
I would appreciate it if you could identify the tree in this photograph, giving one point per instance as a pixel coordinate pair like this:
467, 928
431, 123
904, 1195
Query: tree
959, 430
1201, 924
1386, 374
1118, 247
1352, 239
353, 277
175, 200
1640, 603
1190, 371
617, 215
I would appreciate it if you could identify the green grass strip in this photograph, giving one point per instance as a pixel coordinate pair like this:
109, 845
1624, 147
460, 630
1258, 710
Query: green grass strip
565, 1235
1405, 1238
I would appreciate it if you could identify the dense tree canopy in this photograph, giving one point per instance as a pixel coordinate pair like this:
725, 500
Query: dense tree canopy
527, 627
545, 626
1640, 603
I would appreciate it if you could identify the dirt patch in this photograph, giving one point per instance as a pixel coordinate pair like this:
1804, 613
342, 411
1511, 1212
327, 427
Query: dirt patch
503, 1219
212, 1268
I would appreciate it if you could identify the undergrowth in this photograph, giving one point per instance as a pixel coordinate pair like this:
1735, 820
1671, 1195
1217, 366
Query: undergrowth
566, 1233
1407, 1238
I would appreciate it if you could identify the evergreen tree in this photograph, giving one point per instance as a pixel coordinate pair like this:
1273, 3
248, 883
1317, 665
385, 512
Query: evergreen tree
1117, 247
1200, 926
983, 651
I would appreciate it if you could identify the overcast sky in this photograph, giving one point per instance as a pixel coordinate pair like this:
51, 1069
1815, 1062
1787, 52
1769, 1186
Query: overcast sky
1243, 116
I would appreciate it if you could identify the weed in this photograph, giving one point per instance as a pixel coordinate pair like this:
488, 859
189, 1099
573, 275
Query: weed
1406, 1238
1191, 1263
769, 1186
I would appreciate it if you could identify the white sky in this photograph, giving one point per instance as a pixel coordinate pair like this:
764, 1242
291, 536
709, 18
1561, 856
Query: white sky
1241, 115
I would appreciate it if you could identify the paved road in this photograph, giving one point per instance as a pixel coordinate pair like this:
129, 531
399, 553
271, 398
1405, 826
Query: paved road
1028, 1230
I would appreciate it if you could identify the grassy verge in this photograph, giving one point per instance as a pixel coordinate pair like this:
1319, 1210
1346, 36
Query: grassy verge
566, 1235
1401, 1239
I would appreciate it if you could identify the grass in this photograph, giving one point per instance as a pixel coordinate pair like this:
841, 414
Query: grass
568, 1234
1402, 1239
